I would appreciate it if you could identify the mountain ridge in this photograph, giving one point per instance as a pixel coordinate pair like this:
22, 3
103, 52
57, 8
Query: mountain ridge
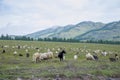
86, 30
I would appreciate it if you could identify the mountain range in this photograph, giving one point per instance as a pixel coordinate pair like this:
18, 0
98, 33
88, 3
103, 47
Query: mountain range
86, 30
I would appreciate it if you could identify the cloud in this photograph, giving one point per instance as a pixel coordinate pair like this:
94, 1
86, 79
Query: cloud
34, 15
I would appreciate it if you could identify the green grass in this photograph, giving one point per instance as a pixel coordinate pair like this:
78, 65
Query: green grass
12, 66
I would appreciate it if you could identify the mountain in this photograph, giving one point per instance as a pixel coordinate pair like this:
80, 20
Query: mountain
45, 33
86, 30
110, 31
68, 31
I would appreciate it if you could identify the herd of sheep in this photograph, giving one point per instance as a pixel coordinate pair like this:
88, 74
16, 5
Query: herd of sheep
53, 53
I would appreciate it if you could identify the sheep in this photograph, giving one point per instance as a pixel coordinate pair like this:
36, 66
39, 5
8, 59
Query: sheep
19, 47
47, 55
42, 56
36, 57
15, 53
6, 46
20, 54
27, 54
50, 54
117, 57
56, 54
104, 53
75, 57
3, 51
97, 51
63, 57
113, 59
89, 57
26, 50
95, 57
36, 48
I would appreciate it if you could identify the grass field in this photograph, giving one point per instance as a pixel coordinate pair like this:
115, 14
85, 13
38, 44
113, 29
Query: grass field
13, 67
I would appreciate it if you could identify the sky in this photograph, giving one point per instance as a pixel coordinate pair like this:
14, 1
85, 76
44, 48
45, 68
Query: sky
21, 17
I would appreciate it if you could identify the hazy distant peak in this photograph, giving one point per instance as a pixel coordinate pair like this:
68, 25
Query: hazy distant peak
89, 22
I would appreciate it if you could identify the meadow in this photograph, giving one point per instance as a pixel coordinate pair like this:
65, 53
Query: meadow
13, 66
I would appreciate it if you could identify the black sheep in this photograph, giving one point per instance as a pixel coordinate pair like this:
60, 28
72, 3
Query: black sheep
27, 54
20, 55
3, 51
95, 57
112, 59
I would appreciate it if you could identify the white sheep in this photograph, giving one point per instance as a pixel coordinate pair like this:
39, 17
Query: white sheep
89, 57
49, 54
36, 57
75, 57
15, 53
104, 53
64, 57
43, 56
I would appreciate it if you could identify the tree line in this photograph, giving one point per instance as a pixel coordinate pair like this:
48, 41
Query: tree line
54, 39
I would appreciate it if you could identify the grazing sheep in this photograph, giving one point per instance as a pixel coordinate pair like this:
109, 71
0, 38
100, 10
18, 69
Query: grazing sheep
104, 53
43, 56
36, 57
97, 51
20, 54
89, 57
3, 51
47, 55
18, 46
50, 54
75, 57
56, 54
36, 48
117, 57
15, 53
26, 50
112, 59
27, 54
95, 57
64, 57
